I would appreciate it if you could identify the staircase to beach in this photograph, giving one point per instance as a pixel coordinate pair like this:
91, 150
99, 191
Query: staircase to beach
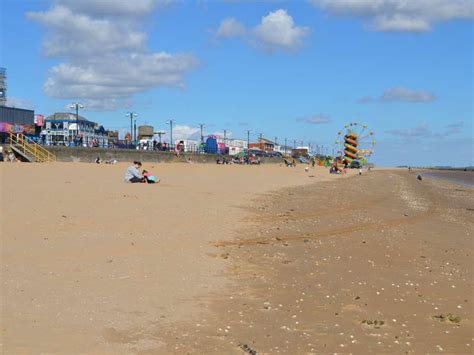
29, 149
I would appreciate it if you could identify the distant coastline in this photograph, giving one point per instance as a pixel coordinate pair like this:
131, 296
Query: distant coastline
464, 168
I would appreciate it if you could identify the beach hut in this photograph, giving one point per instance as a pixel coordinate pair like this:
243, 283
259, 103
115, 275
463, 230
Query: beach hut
211, 145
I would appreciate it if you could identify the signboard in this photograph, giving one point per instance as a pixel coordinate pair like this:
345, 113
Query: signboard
39, 120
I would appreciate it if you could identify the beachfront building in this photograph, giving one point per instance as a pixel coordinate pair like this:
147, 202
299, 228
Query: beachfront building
285, 149
263, 144
187, 145
16, 120
235, 146
13, 119
70, 130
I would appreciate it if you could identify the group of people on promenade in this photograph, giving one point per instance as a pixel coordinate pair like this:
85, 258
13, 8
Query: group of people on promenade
133, 175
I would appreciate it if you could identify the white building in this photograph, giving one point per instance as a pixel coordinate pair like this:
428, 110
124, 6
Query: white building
189, 145
69, 130
236, 146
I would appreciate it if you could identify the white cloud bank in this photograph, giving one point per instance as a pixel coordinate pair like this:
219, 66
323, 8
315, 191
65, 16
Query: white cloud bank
103, 53
276, 31
400, 15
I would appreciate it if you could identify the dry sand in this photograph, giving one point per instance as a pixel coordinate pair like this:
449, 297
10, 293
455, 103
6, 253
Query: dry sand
83, 252
232, 259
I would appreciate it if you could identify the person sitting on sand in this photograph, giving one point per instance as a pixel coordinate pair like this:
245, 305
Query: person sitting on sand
149, 178
11, 156
133, 173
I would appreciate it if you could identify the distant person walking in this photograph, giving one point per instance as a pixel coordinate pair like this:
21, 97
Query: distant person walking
133, 173
1, 153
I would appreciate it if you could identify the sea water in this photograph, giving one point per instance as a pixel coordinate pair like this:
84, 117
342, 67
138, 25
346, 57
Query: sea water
460, 177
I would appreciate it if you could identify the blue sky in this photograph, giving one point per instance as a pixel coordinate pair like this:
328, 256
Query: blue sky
296, 70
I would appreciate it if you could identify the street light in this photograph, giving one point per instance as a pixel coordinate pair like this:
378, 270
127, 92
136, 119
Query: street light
201, 126
160, 133
248, 146
77, 106
171, 122
132, 116
135, 129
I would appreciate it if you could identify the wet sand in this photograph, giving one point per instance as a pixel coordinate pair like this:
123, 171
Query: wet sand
230, 259
380, 263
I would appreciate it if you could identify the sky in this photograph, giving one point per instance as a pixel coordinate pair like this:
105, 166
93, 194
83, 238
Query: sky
299, 70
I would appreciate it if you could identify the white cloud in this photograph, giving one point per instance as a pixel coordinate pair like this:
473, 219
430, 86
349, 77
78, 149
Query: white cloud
185, 132
74, 35
400, 15
104, 57
276, 31
420, 131
113, 7
230, 27
318, 119
405, 94
117, 76
400, 94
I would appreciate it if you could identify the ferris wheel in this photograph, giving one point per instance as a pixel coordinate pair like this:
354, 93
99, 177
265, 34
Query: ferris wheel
355, 142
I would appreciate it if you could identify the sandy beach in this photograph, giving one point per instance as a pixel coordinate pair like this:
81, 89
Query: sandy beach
84, 252
233, 259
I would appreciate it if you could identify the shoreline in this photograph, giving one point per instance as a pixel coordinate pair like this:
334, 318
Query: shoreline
459, 177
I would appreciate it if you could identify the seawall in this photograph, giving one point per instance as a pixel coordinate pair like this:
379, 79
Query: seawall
81, 154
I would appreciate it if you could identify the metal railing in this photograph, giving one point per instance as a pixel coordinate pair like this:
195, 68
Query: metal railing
28, 147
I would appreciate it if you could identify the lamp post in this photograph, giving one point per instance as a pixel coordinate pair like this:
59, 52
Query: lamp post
201, 126
260, 140
77, 106
286, 142
160, 133
132, 116
171, 122
135, 129
248, 146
